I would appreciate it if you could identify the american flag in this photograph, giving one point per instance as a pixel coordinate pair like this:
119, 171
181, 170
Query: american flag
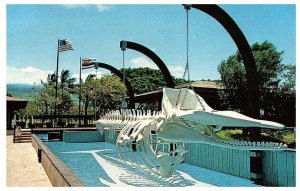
65, 45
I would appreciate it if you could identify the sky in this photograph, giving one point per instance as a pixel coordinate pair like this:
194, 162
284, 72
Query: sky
95, 31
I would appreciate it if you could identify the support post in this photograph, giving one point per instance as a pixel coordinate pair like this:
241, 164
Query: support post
56, 82
256, 173
79, 104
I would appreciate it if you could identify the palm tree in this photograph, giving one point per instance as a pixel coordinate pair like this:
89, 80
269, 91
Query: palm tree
51, 79
66, 80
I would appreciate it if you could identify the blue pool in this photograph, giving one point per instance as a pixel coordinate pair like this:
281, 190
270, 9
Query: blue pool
98, 164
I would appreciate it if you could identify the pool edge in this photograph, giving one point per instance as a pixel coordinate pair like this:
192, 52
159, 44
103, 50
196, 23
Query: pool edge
59, 174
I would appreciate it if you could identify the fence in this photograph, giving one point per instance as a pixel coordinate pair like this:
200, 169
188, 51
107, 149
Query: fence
279, 167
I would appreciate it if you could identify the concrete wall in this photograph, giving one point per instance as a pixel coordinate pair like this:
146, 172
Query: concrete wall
82, 136
111, 136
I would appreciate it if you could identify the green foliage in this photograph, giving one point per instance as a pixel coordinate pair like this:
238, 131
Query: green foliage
269, 136
289, 138
105, 93
111, 91
233, 79
230, 134
43, 97
147, 79
179, 81
274, 80
290, 79
144, 79
43, 100
97, 95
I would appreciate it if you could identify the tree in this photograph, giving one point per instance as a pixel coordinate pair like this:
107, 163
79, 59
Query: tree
66, 82
289, 82
101, 95
87, 87
147, 79
43, 100
110, 92
233, 79
274, 79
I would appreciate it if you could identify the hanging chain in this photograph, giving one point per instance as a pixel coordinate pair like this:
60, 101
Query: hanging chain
187, 68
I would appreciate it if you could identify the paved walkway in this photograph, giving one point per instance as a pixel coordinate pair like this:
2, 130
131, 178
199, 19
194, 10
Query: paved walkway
22, 167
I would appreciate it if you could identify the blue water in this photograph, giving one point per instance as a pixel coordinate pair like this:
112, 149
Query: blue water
88, 170
83, 165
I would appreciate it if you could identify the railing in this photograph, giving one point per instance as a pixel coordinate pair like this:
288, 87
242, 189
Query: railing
54, 121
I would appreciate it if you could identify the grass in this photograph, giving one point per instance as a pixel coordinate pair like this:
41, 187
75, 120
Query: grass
230, 134
269, 136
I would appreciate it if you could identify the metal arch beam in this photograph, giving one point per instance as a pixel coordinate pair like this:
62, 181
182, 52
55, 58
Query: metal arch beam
146, 51
241, 42
120, 75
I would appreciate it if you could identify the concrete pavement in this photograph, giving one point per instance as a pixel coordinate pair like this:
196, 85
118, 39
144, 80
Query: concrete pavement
22, 167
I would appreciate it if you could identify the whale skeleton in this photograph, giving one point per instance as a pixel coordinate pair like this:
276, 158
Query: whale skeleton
159, 136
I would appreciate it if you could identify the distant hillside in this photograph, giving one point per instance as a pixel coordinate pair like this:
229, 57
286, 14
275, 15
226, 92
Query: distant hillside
20, 90
24, 90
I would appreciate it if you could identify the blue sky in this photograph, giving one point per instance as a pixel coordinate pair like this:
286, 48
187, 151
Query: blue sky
96, 30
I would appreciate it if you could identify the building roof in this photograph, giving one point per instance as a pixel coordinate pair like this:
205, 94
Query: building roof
14, 103
198, 84
203, 84
202, 87
10, 98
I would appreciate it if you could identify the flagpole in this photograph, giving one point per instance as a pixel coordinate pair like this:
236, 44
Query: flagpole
96, 97
79, 109
57, 60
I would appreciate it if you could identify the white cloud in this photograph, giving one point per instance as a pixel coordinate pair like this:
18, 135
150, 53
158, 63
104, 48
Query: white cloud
72, 6
176, 71
142, 62
85, 75
28, 75
74, 75
100, 7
